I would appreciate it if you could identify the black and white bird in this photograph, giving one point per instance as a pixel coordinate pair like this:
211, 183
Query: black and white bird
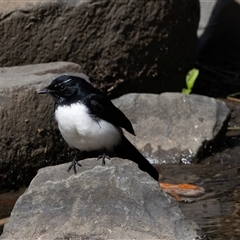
90, 123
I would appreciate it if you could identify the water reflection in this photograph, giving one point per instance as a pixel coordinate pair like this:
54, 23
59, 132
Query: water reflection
217, 211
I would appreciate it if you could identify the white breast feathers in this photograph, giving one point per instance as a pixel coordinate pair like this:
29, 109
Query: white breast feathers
80, 130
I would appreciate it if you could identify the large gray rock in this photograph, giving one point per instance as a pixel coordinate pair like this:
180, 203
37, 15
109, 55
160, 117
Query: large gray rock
29, 136
117, 201
173, 127
140, 46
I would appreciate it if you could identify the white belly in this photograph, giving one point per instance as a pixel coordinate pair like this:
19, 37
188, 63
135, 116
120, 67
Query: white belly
83, 132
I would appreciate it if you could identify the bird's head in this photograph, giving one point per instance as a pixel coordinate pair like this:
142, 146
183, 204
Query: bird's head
66, 88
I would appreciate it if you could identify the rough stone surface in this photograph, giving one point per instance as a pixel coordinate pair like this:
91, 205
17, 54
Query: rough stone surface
173, 127
124, 46
29, 136
117, 201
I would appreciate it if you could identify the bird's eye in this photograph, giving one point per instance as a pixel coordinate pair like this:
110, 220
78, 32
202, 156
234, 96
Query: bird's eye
62, 88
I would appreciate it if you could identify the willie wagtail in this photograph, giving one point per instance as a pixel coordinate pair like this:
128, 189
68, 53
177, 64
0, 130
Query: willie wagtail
90, 123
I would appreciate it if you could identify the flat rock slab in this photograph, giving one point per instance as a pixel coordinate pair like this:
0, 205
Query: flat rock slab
173, 127
35, 74
117, 201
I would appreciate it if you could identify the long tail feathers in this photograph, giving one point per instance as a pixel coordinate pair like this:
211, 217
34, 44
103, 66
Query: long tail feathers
127, 151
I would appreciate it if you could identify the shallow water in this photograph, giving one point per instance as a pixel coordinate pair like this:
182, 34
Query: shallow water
7, 201
218, 210
218, 216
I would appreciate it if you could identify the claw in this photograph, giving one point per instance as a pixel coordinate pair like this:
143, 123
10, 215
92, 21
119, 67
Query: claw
73, 165
103, 157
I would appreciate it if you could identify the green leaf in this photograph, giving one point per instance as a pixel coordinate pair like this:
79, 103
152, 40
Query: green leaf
190, 80
191, 77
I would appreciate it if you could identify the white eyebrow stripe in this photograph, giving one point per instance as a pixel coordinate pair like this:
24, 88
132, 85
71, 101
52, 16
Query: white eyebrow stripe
68, 80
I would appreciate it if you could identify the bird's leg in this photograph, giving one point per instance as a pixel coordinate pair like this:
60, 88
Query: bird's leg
103, 157
74, 163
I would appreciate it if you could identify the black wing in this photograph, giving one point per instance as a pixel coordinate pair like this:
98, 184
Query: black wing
101, 107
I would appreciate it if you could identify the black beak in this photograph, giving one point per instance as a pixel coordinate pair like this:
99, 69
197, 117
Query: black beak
44, 91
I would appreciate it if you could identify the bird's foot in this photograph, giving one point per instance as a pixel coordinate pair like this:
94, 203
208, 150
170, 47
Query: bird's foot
103, 157
73, 164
